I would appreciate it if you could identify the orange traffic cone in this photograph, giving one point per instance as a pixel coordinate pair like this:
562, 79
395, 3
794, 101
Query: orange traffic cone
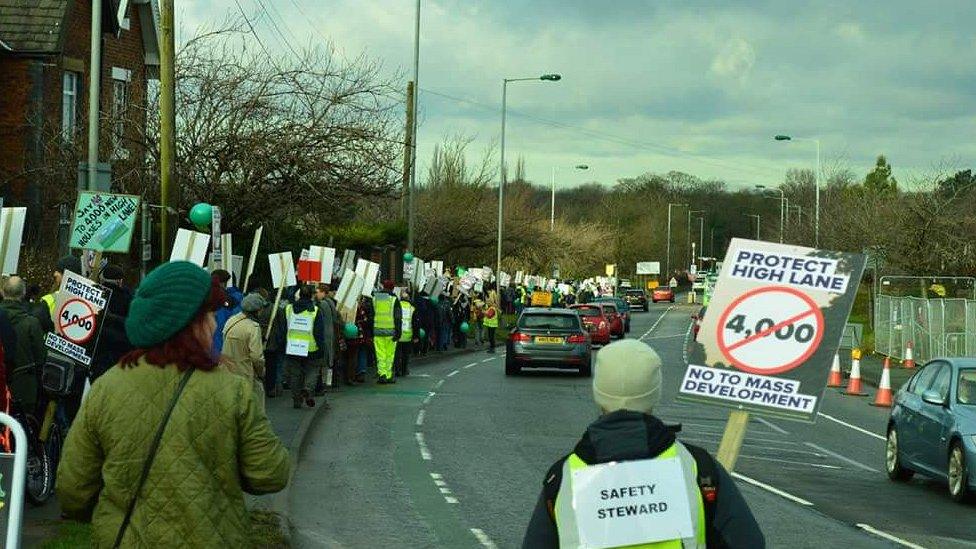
909, 361
854, 383
836, 379
883, 398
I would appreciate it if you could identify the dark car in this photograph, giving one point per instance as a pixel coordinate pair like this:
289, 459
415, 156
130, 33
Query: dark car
595, 320
932, 428
622, 308
636, 298
548, 338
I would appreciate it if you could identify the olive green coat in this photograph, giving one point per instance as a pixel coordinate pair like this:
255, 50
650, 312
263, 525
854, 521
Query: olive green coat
217, 445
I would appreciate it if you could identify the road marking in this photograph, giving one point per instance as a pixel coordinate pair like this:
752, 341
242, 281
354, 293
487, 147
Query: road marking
445, 490
436, 476
772, 426
684, 347
845, 459
483, 538
424, 452
790, 462
420, 375
664, 337
772, 489
472, 365
855, 427
420, 418
438, 384
454, 373
889, 537
450, 499
440, 483
430, 395
658, 321
487, 360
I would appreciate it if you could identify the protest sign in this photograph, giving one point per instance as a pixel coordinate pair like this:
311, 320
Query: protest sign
190, 246
104, 222
253, 257
410, 269
347, 296
216, 254
420, 273
320, 261
11, 235
361, 266
348, 261
504, 279
237, 266
226, 253
438, 267
282, 270
78, 314
519, 277
369, 278
772, 328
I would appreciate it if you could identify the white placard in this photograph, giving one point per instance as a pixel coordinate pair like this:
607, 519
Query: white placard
348, 260
519, 277
361, 266
504, 279
282, 269
438, 267
237, 265
477, 273
298, 347
325, 256
304, 255
369, 280
226, 254
190, 246
342, 293
632, 503
11, 235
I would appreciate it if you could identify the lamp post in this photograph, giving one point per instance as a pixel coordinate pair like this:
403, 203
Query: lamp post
782, 208
411, 182
816, 184
501, 172
552, 185
668, 259
701, 236
689, 231
757, 216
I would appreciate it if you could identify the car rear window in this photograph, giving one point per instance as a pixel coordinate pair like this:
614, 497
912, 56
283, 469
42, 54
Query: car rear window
548, 322
637, 293
610, 308
588, 311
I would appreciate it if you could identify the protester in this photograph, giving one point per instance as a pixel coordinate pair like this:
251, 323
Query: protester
410, 327
274, 353
461, 312
113, 344
44, 310
353, 347
331, 327
491, 320
387, 325
231, 307
243, 349
301, 337
165, 445
477, 320
627, 388
425, 321
25, 359
367, 352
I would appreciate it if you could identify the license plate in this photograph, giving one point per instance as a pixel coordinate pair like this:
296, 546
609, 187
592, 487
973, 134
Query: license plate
548, 340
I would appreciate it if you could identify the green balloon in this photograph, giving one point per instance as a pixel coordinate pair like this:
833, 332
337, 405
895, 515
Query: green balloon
465, 328
201, 215
422, 333
350, 330
434, 299
408, 257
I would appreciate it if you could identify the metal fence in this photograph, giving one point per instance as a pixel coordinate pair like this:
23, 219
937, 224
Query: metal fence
935, 327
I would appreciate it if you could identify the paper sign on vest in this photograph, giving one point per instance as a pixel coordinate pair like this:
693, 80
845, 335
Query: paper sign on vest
298, 347
631, 503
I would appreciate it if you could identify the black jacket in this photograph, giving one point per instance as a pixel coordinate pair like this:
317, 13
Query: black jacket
113, 342
318, 327
626, 435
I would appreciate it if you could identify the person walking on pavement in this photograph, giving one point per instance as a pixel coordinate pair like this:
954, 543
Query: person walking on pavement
301, 337
243, 350
274, 354
25, 360
627, 388
231, 307
387, 325
44, 310
410, 326
477, 321
331, 327
167, 444
492, 314
113, 343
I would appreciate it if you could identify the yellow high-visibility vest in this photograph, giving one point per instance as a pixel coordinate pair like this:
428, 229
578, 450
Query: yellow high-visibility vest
300, 336
383, 323
406, 326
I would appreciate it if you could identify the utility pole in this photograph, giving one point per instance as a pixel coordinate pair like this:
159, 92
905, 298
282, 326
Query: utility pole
407, 163
94, 90
411, 214
167, 120
668, 258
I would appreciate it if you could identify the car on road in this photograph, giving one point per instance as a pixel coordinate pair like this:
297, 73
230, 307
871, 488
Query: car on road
622, 308
548, 338
636, 298
697, 319
595, 321
932, 427
663, 293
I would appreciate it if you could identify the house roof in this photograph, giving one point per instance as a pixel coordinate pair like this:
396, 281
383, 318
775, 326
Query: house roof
31, 26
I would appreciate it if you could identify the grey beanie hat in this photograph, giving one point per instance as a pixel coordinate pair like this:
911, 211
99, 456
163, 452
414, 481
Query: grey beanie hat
253, 303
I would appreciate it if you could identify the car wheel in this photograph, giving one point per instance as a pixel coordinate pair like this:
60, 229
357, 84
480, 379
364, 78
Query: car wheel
587, 370
958, 475
511, 367
893, 465
645, 307
672, 300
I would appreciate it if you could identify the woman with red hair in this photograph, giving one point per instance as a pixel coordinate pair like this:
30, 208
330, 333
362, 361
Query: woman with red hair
166, 444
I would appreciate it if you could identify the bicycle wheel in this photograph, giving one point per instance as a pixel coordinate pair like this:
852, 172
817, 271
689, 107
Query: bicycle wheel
55, 441
40, 473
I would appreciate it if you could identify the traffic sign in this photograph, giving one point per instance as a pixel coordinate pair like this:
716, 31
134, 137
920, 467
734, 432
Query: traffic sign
76, 321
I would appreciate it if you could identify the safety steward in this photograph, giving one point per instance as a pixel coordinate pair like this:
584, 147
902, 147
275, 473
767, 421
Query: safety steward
386, 331
629, 482
408, 323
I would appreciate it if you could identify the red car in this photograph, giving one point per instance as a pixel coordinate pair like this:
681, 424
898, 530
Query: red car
663, 293
595, 321
614, 318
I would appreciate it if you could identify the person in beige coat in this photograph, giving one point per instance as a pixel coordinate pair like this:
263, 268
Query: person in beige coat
243, 350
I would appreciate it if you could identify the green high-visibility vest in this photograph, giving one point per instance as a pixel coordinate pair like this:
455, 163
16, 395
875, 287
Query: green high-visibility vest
493, 321
565, 514
298, 337
383, 322
406, 329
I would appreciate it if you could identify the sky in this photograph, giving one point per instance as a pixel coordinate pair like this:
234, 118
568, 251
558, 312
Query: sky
652, 86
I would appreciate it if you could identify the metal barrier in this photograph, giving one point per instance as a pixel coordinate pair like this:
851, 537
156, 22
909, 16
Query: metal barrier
935, 327
13, 498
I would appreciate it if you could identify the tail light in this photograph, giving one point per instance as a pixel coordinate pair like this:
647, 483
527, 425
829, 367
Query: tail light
576, 338
519, 337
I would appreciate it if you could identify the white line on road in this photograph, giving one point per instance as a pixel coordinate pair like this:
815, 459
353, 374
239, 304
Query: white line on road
445, 490
855, 427
438, 384
420, 418
664, 337
772, 489
487, 360
483, 538
424, 452
658, 321
472, 365
790, 462
454, 373
420, 375
436, 476
440, 483
842, 458
430, 395
889, 537
450, 499
772, 426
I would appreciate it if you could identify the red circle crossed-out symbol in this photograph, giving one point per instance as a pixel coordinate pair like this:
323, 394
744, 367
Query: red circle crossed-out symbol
768, 345
73, 328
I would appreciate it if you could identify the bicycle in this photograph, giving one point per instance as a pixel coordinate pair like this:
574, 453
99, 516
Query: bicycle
40, 469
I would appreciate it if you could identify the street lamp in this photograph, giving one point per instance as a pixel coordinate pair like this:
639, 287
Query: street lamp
552, 184
816, 183
502, 176
783, 206
668, 259
689, 231
757, 216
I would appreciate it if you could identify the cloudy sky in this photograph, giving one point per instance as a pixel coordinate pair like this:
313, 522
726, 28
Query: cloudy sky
698, 86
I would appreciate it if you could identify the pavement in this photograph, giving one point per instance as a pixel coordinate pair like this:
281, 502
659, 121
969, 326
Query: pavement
453, 456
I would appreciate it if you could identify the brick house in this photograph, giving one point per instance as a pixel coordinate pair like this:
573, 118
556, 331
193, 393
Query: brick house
45, 49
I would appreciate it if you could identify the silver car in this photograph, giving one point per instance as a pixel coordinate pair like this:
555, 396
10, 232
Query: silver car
548, 338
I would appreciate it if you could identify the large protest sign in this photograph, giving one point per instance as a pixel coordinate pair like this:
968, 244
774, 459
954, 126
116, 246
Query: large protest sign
190, 246
368, 272
282, 270
316, 264
226, 253
216, 254
104, 222
347, 296
78, 314
11, 235
438, 267
772, 328
237, 267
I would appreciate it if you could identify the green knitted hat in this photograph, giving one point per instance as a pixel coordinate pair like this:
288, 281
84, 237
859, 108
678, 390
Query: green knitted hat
165, 302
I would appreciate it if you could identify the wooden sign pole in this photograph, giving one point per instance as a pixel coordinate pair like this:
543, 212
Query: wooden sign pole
735, 433
277, 301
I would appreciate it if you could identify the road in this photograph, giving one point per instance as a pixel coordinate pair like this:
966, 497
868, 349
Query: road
454, 455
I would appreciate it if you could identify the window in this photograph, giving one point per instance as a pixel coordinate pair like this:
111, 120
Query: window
589, 311
120, 104
966, 391
941, 382
921, 381
69, 105
549, 322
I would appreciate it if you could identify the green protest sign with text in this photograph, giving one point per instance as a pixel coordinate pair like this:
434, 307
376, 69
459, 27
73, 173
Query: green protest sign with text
104, 222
